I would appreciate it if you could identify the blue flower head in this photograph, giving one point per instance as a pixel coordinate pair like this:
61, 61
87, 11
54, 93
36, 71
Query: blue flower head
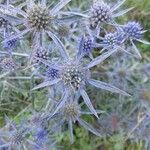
74, 75
38, 54
112, 40
41, 137
9, 45
133, 30
52, 73
86, 46
4, 23
105, 13
37, 18
8, 64
100, 13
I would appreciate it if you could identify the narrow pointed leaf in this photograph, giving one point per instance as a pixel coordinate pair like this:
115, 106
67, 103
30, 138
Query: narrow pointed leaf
122, 12
74, 13
136, 50
88, 102
61, 103
59, 6
16, 36
144, 42
107, 86
46, 83
59, 44
88, 127
100, 58
115, 7
71, 131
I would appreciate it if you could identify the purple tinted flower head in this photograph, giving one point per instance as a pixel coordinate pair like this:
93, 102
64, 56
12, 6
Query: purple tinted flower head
8, 64
133, 30
52, 73
86, 46
63, 30
4, 23
144, 96
110, 39
71, 111
41, 133
103, 13
18, 136
9, 45
74, 75
38, 17
38, 54
40, 137
100, 13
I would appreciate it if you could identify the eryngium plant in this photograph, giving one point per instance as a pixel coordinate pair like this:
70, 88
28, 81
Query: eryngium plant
54, 59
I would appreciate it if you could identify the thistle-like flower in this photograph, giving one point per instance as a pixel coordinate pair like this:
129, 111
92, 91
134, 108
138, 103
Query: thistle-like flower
4, 23
17, 138
121, 72
86, 46
74, 75
142, 132
43, 140
70, 113
101, 13
39, 53
134, 32
112, 40
143, 95
38, 20
9, 45
8, 64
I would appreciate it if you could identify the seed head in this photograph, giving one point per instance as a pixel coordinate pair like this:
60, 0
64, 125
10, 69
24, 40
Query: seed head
38, 17
71, 110
74, 76
63, 31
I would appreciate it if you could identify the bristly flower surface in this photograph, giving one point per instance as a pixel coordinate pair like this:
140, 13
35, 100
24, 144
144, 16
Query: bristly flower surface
74, 75
38, 20
103, 13
134, 32
86, 46
17, 137
8, 64
70, 113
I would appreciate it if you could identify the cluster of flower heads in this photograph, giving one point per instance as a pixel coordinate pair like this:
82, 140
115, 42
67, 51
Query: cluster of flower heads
57, 47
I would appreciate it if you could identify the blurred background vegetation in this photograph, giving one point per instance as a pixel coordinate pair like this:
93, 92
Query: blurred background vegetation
21, 97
